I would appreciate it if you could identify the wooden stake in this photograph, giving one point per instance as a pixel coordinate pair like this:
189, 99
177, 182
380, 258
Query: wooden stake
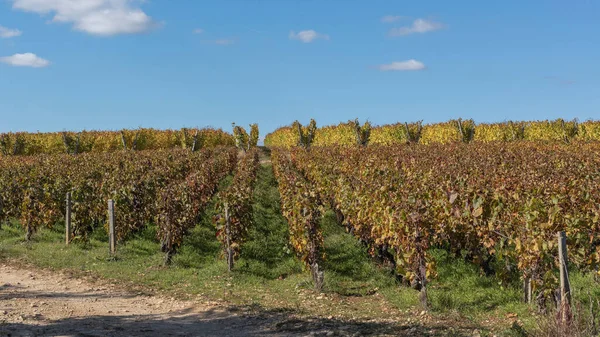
123, 140
68, 219
134, 145
565, 287
111, 227
460, 128
301, 136
195, 142
407, 132
64, 137
527, 290
228, 234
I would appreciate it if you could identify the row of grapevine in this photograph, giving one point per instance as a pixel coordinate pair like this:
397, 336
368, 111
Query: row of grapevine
234, 206
502, 201
447, 132
181, 203
33, 189
24, 143
380, 207
243, 140
300, 205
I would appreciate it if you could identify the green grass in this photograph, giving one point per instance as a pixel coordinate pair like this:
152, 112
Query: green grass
348, 268
459, 288
267, 274
267, 253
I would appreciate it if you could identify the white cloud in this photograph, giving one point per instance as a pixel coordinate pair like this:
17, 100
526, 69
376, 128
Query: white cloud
307, 36
25, 60
409, 65
391, 18
96, 17
6, 33
198, 31
418, 26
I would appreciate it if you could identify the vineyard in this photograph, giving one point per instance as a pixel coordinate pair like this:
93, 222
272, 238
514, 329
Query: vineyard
492, 195
493, 202
146, 185
443, 133
496, 195
24, 143
153, 176
234, 207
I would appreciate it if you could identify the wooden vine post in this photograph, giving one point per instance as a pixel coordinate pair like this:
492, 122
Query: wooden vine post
228, 235
422, 269
123, 140
194, 144
135, 140
408, 137
527, 289
111, 227
65, 141
460, 128
68, 219
565, 286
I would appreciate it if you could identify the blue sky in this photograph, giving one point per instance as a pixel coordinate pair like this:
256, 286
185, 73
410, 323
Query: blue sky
112, 64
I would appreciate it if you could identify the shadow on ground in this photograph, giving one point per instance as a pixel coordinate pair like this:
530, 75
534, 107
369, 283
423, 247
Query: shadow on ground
234, 322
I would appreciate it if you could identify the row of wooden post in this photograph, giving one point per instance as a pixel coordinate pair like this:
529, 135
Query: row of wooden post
565, 286
111, 229
111, 224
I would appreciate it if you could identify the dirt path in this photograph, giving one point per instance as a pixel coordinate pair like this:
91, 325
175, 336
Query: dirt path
40, 303
44, 303
264, 156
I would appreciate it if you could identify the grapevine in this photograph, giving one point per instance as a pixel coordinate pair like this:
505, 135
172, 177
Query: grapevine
236, 200
489, 200
301, 207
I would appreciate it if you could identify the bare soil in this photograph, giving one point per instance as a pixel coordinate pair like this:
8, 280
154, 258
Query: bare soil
36, 302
